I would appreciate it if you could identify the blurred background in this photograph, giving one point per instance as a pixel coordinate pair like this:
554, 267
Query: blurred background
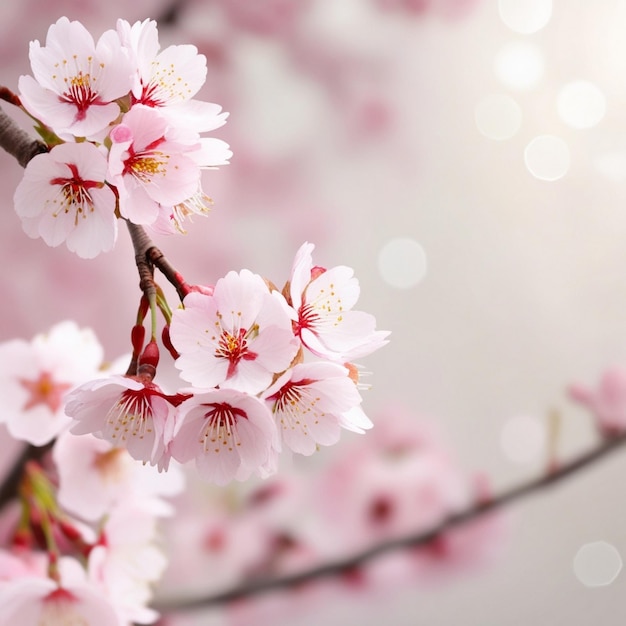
468, 159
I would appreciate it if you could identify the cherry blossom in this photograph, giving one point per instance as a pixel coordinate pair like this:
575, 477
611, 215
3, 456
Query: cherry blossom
169, 79
323, 300
76, 81
308, 403
237, 338
401, 481
63, 198
41, 601
37, 376
127, 561
147, 167
95, 476
229, 434
127, 411
607, 402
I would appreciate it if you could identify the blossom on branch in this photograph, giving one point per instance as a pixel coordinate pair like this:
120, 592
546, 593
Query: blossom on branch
127, 411
323, 300
147, 167
96, 477
42, 601
237, 338
168, 79
607, 402
76, 81
229, 434
311, 402
123, 131
37, 376
63, 197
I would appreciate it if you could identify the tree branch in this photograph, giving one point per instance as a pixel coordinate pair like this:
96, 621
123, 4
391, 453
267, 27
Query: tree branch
141, 244
335, 568
17, 142
11, 482
157, 258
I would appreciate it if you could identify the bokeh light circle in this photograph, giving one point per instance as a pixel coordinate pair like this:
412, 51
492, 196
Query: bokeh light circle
581, 104
525, 16
402, 262
519, 65
597, 564
547, 157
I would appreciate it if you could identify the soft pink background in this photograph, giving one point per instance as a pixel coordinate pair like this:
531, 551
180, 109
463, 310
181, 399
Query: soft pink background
351, 126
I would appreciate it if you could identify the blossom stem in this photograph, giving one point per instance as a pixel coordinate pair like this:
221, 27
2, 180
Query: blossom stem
17, 142
350, 563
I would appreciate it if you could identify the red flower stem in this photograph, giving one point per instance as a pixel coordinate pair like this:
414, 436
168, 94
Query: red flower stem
423, 537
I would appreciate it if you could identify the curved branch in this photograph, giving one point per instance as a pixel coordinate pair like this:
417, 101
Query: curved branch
174, 277
141, 244
17, 142
338, 567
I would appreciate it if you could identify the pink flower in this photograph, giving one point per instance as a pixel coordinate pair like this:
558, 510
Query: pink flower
36, 377
169, 79
147, 167
95, 476
42, 601
401, 481
323, 300
607, 402
63, 198
76, 82
127, 411
311, 402
229, 434
127, 561
237, 338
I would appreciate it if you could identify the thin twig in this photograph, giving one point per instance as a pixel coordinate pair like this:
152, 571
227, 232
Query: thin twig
338, 567
174, 277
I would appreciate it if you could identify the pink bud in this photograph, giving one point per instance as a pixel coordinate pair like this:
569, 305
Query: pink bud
149, 357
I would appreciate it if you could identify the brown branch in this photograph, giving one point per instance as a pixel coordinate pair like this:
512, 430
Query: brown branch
157, 258
17, 142
147, 257
349, 563
11, 482
141, 244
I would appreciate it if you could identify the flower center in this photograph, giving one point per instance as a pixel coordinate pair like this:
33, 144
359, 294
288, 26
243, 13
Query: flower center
235, 347
147, 164
80, 93
131, 416
58, 610
44, 390
221, 427
110, 464
75, 194
295, 404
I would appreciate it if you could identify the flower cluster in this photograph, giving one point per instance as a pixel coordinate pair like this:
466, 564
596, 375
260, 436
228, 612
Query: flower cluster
83, 545
123, 131
241, 344
86, 549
